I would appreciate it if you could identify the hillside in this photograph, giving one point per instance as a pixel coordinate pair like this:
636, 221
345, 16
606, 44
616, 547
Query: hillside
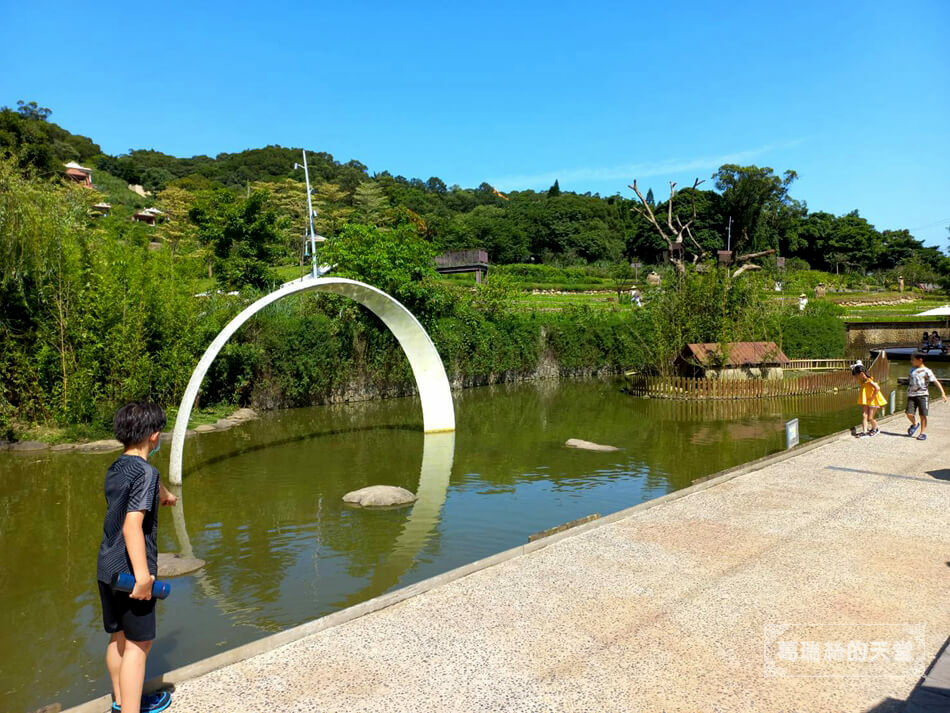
555, 226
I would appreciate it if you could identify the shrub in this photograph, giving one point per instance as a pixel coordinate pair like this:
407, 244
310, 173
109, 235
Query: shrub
818, 333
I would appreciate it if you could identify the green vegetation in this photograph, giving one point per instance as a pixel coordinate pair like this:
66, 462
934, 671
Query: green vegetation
818, 333
97, 311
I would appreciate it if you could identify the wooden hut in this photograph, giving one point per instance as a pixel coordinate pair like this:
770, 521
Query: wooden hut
741, 360
460, 261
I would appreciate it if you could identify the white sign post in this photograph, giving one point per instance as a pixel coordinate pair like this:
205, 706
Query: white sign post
791, 434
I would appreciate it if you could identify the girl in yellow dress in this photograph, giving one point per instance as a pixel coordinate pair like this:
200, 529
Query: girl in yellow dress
870, 399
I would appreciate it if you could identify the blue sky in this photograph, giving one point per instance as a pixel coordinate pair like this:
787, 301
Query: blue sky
854, 96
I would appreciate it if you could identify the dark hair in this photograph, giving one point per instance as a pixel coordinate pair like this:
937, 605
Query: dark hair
858, 369
917, 355
135, 422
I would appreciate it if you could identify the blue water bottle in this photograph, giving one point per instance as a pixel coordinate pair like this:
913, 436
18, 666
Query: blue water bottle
125, 582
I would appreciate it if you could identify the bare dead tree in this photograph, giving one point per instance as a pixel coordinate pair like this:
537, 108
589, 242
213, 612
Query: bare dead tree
750, 265
673, 234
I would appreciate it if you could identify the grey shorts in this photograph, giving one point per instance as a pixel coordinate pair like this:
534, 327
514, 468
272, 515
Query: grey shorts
917, 403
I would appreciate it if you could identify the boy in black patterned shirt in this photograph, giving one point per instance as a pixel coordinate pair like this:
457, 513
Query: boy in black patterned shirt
129, 544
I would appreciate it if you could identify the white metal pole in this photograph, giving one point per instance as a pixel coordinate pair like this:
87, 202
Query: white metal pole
313, 241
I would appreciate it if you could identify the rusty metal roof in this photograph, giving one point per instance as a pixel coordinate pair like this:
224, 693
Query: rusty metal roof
740, 354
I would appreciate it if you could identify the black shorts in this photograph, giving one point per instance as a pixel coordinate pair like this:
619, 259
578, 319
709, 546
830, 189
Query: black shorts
918, 403
134, 617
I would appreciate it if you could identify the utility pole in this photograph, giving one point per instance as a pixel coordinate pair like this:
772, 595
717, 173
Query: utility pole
729, 233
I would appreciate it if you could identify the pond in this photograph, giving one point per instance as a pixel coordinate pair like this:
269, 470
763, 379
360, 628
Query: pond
262, 504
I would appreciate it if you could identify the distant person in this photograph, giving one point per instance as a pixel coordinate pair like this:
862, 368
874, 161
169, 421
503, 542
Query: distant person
935, 341
129, 544
900, 282
925, 342
870, 399
635, 297
802, 302
918, 395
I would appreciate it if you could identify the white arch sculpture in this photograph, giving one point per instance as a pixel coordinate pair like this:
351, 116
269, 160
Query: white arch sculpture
438, 413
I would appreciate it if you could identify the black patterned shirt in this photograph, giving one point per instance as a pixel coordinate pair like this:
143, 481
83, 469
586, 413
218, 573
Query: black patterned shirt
131, 485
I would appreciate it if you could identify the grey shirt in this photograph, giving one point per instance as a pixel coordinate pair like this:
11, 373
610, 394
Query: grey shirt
131, 485
920, 377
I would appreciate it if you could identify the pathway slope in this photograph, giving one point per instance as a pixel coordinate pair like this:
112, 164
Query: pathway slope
693, 605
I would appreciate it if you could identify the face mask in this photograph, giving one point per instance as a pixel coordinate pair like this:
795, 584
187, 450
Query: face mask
156, 449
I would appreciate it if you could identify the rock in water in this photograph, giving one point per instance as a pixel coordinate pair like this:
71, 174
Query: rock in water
588, 446
376, 496
172, 564
243, 414
26, 446
110, 444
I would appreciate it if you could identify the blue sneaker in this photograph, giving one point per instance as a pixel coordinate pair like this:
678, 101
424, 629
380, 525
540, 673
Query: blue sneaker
922, 437
155, 702
151, 702
913, 429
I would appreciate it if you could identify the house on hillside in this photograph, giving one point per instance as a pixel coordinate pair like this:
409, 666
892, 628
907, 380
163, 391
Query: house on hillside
741, 360
79, 174
147, 215
100, 210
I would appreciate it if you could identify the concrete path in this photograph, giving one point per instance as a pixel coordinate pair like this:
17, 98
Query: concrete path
815, 583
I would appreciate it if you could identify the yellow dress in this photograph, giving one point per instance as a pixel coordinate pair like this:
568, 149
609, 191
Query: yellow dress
865, 399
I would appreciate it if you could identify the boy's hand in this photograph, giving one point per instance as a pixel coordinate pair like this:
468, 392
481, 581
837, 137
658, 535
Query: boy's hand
167, 498
142, 588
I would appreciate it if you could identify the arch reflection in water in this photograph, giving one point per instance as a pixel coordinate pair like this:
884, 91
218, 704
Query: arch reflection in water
421, 522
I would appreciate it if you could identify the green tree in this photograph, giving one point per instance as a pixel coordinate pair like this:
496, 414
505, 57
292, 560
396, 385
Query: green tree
555, 190
176, 230
755, 198
855, 239
332, 209
397, 261
39, 143
371, 204
488, 227
32, 110
622, 275
288, 198
242, 235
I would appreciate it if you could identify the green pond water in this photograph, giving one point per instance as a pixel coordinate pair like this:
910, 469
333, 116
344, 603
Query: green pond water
262, 504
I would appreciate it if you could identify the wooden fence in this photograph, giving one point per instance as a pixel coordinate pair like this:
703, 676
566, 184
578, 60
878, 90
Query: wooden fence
818, 364
678, 387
